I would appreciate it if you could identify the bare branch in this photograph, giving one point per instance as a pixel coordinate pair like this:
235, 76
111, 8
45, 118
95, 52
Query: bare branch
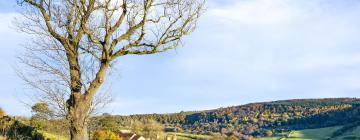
77, 41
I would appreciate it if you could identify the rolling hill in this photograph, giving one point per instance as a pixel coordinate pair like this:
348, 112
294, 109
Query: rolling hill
299, 119
257, 119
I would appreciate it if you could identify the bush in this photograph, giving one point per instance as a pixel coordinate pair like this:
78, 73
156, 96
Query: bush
105, 135
38, 123
2, 112
19, 130
147, 128
268, 133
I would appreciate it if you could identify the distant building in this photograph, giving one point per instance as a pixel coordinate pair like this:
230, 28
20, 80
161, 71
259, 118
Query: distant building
130, 136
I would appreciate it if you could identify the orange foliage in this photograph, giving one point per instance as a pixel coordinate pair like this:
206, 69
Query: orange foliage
105, 135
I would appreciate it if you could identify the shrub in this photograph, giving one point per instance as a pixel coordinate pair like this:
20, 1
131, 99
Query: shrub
19, 130
105, 135
38, 123
268, 133
2, 112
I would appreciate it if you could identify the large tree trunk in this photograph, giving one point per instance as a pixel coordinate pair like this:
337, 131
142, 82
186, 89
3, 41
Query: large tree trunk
80, 134
78, 107
79, 103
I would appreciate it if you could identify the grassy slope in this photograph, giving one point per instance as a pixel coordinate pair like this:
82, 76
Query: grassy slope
354, 134
179, 136
319, 134
306, 134
183, 136
53, 136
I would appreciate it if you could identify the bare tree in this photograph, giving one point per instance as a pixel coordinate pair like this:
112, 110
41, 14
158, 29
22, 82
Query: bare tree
76, 42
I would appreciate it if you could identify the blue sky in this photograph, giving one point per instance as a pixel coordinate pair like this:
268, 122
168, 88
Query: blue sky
243, 51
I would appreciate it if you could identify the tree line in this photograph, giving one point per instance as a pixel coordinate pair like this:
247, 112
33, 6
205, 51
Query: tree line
261, 119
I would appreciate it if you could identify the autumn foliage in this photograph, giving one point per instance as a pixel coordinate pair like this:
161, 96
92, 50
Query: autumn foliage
2, 112
105, 135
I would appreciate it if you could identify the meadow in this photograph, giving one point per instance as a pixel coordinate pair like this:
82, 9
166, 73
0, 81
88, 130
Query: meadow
317, 134
306, 134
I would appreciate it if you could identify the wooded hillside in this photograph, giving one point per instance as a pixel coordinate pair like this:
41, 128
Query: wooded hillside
257, 119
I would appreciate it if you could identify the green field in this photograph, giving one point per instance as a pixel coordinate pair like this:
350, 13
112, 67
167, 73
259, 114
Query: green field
53, 136
179, 136
322, 133
318, 134
306, 134
350, 135
184, 136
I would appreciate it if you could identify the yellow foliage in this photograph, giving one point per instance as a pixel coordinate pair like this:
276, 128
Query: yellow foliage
2, 112
105, 135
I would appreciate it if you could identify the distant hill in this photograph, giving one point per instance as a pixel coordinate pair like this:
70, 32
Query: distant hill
257, 119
